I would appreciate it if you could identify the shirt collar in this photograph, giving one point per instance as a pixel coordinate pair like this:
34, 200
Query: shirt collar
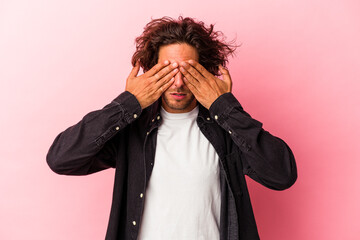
204, 114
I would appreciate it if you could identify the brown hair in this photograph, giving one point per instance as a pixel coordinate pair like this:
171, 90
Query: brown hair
165, 31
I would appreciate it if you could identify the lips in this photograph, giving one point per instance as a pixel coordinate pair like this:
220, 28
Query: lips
178, 96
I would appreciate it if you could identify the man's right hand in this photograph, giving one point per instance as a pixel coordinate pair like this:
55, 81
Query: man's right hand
148, 87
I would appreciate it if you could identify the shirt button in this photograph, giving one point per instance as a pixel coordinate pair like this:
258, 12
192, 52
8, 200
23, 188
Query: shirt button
151, 164
135, 115
158, 118
117, 128
216, 117
147, 133
230, 131
208, 119
141, 195
153, 120
134, 223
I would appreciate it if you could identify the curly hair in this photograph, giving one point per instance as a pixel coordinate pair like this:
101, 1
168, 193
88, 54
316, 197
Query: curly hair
212, 51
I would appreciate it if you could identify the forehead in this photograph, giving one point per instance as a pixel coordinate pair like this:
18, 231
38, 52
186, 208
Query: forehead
177, 52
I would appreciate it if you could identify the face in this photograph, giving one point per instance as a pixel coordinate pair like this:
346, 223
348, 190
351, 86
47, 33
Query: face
178, 98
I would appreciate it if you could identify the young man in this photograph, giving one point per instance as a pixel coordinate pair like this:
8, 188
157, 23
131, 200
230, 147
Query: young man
180, 141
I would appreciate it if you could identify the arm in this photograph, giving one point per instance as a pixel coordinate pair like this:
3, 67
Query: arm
86, 147
266, 158
91, 145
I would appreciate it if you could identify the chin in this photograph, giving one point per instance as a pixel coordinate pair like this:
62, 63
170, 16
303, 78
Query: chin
178, 106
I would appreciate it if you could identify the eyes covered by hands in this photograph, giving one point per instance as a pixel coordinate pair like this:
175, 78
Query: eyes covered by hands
203, 84
148, 87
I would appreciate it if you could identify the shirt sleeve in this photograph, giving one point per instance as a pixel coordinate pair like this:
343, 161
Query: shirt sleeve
89, 145
265, 158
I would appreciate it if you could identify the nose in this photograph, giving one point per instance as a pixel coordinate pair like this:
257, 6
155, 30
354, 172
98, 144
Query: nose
179, 80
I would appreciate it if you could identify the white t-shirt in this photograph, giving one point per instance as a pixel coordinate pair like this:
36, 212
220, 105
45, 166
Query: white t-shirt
182, 200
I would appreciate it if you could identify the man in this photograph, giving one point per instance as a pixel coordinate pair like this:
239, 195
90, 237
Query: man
179, 140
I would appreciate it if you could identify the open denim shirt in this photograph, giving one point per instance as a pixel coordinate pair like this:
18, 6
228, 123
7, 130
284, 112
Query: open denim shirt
123, 136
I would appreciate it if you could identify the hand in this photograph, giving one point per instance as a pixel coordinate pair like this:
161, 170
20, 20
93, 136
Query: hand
204, 85
148, 87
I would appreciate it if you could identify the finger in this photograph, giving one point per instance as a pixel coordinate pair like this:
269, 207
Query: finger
191, 87
166, 78
226, 76
195, 82
225, 73
163, 72
190, 79
157, 68
165, 86
201, 69
135, 70
191, 70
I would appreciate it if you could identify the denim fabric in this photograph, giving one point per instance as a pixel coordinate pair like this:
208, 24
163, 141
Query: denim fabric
123, 136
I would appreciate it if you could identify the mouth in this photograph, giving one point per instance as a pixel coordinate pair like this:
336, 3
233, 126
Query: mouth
178, 96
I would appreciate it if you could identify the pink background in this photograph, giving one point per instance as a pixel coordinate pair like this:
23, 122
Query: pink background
297, 71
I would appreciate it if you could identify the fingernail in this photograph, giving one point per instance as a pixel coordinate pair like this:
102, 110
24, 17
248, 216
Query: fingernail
174, 64
184, 64
191, 61
166, 62
182, 69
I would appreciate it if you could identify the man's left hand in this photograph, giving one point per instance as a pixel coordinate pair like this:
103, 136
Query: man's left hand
204, 85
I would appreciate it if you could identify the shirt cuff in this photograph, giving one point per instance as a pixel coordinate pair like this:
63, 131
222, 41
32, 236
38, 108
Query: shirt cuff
222, 106
130, 106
